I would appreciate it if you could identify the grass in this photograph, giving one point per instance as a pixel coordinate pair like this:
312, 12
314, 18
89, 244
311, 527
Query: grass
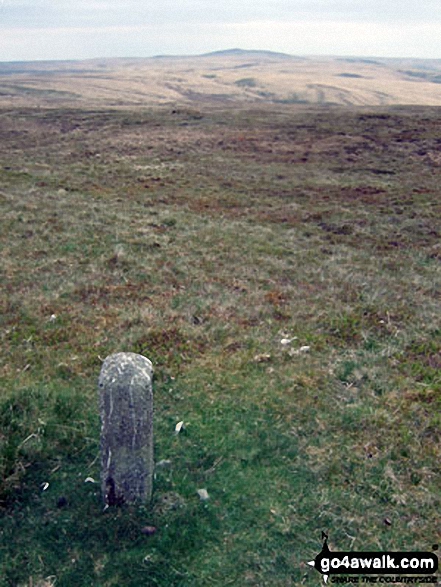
201, 238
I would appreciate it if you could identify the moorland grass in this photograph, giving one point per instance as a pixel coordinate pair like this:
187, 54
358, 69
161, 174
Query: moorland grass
202, 241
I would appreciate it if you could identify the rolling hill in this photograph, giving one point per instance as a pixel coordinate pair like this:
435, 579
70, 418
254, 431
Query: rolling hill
229, 76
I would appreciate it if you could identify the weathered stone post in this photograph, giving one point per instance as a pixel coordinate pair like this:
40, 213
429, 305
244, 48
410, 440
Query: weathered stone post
126, 409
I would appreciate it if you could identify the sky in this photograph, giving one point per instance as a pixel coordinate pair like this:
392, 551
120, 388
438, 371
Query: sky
83, 29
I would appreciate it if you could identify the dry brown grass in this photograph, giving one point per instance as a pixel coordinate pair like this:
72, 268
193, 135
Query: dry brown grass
244, 78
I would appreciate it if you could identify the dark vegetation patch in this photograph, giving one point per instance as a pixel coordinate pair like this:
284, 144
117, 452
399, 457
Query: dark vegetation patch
246, 82
350, 75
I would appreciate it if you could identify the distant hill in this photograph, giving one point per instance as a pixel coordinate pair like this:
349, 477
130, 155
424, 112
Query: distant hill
222, 77
248, 53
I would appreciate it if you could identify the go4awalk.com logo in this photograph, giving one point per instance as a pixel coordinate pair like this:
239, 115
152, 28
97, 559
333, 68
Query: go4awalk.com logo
407, 567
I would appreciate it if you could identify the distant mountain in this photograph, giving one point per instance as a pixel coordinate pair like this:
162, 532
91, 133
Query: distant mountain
247, 53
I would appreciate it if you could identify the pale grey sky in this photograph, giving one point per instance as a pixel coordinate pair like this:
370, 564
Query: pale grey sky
81, 29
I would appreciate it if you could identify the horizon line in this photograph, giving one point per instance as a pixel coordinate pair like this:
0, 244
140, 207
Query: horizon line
224, 52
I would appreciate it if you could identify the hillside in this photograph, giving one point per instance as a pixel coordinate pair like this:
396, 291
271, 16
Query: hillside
265, 229
222, 77
280, 267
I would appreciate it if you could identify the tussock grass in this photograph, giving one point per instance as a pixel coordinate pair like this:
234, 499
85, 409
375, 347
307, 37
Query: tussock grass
202, 241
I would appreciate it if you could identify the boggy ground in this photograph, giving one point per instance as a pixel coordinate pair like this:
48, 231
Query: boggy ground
201, 237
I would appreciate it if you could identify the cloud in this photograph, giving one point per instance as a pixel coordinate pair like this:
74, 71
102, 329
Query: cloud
342, 38
112, 41
294, 37
102, 13
58, 29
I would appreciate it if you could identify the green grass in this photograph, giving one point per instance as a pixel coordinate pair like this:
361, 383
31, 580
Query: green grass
201, 240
